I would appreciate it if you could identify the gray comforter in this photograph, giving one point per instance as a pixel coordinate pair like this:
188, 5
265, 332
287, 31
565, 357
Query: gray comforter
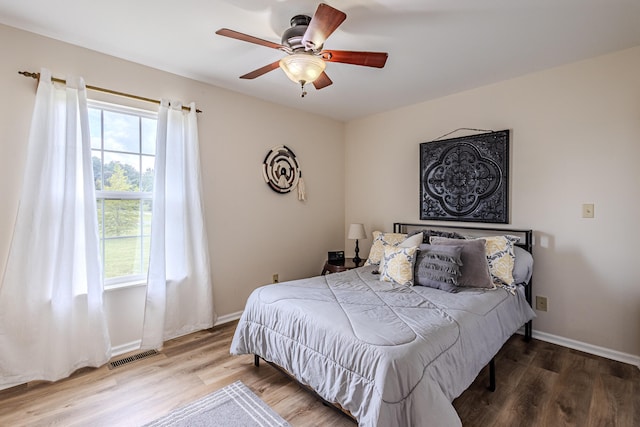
390, 355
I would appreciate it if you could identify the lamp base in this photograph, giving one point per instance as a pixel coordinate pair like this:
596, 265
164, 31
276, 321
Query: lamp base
356, 259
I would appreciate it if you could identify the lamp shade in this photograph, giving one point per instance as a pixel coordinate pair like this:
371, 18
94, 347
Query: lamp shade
302, 67
356, 231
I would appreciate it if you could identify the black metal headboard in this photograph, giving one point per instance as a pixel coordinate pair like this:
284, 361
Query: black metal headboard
526, 236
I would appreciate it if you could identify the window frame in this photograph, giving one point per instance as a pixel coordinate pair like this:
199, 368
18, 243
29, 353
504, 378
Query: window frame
104, 195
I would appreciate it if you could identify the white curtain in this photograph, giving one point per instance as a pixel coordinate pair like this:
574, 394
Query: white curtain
51, 314
179, 292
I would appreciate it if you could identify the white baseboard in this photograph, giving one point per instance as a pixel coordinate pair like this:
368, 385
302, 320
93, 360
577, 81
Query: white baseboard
135, 345
228, 318
125, 348
586, 347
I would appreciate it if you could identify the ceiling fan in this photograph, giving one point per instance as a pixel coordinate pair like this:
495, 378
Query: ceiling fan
303, 41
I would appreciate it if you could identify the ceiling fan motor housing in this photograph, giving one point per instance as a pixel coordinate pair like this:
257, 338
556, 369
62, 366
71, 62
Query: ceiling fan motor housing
292, 37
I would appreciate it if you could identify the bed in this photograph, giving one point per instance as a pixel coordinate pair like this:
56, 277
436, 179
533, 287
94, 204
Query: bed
388, 354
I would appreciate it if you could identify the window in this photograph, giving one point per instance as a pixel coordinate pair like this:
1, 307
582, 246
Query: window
123, 155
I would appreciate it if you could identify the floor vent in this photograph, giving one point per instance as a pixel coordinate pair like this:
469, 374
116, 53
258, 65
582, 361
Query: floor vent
126, 360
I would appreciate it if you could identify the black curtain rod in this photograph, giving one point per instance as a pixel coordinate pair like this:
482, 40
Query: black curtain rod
100, 89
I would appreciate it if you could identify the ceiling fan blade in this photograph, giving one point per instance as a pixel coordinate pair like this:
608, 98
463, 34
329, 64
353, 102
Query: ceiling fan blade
368, 59
322, 81
247, 38
322, 25
262, 70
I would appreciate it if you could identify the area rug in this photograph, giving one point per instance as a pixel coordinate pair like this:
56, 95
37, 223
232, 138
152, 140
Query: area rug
232, 406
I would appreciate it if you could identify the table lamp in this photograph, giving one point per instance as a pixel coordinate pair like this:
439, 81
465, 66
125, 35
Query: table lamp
356, 232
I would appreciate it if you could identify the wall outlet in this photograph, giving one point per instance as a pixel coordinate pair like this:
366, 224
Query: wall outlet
275, 278
541, 303
587, 210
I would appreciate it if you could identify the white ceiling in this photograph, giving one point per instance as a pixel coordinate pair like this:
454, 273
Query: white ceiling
436, 47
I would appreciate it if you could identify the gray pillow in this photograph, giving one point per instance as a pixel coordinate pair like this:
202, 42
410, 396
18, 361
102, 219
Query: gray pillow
522, 266
475, 268
438, 266
428, 233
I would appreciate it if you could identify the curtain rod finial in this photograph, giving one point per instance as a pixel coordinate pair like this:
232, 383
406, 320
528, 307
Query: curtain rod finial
29, 74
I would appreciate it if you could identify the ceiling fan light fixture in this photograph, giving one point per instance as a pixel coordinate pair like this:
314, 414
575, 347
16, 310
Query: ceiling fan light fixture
302, 67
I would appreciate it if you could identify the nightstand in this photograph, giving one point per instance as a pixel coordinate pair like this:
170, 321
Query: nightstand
337, 268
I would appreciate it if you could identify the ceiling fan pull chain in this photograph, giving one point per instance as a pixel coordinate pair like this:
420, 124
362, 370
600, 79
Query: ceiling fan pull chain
304, 92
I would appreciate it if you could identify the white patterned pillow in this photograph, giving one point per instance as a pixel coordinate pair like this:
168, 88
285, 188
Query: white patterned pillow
377, 248
398, 265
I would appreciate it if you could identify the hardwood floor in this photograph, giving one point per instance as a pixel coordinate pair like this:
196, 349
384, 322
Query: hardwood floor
538, 384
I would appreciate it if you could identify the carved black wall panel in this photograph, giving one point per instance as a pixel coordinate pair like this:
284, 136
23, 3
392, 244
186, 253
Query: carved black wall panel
466, 178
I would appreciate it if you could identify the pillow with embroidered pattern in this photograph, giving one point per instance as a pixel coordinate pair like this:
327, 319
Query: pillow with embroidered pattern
377, 248
409, 242
398, 265
501, 258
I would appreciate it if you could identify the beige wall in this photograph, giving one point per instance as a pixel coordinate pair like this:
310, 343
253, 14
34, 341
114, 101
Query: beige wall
575, 138
253, 232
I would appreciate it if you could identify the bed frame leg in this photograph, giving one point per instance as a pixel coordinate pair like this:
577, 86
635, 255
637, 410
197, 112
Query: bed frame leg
256, 360
528, 327
492, 375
